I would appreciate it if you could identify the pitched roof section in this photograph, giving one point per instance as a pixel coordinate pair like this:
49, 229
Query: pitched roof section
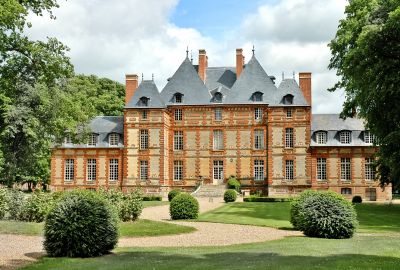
334, 122
252, 79
290, 86
187, 82
220, 76
147, 89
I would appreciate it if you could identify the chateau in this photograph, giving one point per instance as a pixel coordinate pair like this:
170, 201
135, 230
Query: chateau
210, 123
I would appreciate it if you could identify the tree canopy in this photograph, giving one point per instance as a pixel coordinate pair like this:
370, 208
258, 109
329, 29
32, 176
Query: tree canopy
366, 55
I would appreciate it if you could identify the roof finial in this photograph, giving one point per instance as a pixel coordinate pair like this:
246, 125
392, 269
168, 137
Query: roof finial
283, 75
293, 74
191, 56
253, 50
142, 77
152, 77
187, 51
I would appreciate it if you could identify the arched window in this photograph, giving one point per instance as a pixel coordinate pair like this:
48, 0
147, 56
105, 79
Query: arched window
178, 97
257, 96
144, 101
288, 99
217, 97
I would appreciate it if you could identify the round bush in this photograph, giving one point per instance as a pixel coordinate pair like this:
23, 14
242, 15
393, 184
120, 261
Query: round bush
184, 206
356, 199
230, 195
131, 206
82, 224
173, 193
233, 183
324, 215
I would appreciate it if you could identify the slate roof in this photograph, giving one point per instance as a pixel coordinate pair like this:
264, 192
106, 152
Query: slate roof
187, 82
290, 86
147, 88
220, 76
333, 124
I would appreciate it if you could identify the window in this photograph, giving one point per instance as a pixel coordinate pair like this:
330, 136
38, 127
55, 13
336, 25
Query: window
289, 170
257, 96
368, 137
178, 140
144, 170
258, 139
289, 138
217, 97
113, 170
178, 115
345, 137
369, 169
288, 99
258, 170
321, 169
345, 191
91, 169
144, 139
178, 170
345, 169
68, 139
113, 139
218, 114
178, 98
93, 139
69, 170
258, 114
288, 113
144, 115
218, 140
143, 101
218, 170
321, 137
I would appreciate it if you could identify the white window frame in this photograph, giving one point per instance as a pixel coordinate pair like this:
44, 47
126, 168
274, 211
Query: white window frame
218, 139
258, 114
218, 170
289, 170
218, 114
345, 191
144, 170
258, 139
91, 169
69, 172
345, 137
321, 137
289, 138
93, 139
113, 139
368, 137
369, 169
113, 169
258, 170
178, 170
144, 139
289, 113
321, 169
178, 115
345, 169
178, 140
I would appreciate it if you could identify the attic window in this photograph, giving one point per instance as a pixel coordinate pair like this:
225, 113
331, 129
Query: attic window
345, 137
217, 97
288, 99
178, 98
144, 101
257, 96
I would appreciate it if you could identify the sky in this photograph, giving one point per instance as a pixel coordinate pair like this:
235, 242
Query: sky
114, 38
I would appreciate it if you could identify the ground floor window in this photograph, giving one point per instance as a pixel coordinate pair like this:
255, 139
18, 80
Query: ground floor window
370, 194
113, 170
69, 170
345, 169
91, 169
321, 169
144, 170
369, 169
345, 191
178, 170
218, 170
258, 170
289, 171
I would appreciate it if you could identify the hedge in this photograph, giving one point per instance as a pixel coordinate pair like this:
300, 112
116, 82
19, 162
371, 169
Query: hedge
266, 199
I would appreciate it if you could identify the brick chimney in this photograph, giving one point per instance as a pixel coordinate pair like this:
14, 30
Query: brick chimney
131, 83
203, 64
239, 62
305, 86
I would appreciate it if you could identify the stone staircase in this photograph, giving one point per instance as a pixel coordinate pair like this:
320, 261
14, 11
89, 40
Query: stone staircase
210, 191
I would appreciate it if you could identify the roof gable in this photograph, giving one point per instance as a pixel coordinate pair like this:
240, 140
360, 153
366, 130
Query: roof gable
149, 90
290, 87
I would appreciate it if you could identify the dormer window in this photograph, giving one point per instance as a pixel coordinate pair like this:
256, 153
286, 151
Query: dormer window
93, 139
217, 97
144, 101
320, 137
113, 139
257, 96
178, 98
288, 99
345, 137
368, 137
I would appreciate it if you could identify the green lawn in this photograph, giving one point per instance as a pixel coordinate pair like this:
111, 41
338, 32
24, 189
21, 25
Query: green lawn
360, 252
372, 217
154, 203
141, 227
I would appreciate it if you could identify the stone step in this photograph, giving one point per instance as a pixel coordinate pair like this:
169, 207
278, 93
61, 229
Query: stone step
210, 191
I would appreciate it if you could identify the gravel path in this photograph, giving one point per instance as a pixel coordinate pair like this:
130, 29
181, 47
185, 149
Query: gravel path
19, 250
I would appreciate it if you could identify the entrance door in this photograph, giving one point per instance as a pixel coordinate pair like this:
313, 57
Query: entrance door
370, 194
218, 172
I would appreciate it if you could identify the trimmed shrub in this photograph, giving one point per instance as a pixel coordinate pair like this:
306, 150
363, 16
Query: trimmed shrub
184, 206
131, 206
356, 199
82, 224
15, 204
266, 199
152, 198
323, 214
233, 183
173, 193
230, 195
36, 207
3, 202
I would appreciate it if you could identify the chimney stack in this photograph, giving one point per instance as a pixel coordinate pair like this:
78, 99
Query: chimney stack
305, 86
239, 62
203, 64
131, 83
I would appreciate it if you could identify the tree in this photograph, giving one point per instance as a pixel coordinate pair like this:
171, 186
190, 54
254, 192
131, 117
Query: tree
366, 55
